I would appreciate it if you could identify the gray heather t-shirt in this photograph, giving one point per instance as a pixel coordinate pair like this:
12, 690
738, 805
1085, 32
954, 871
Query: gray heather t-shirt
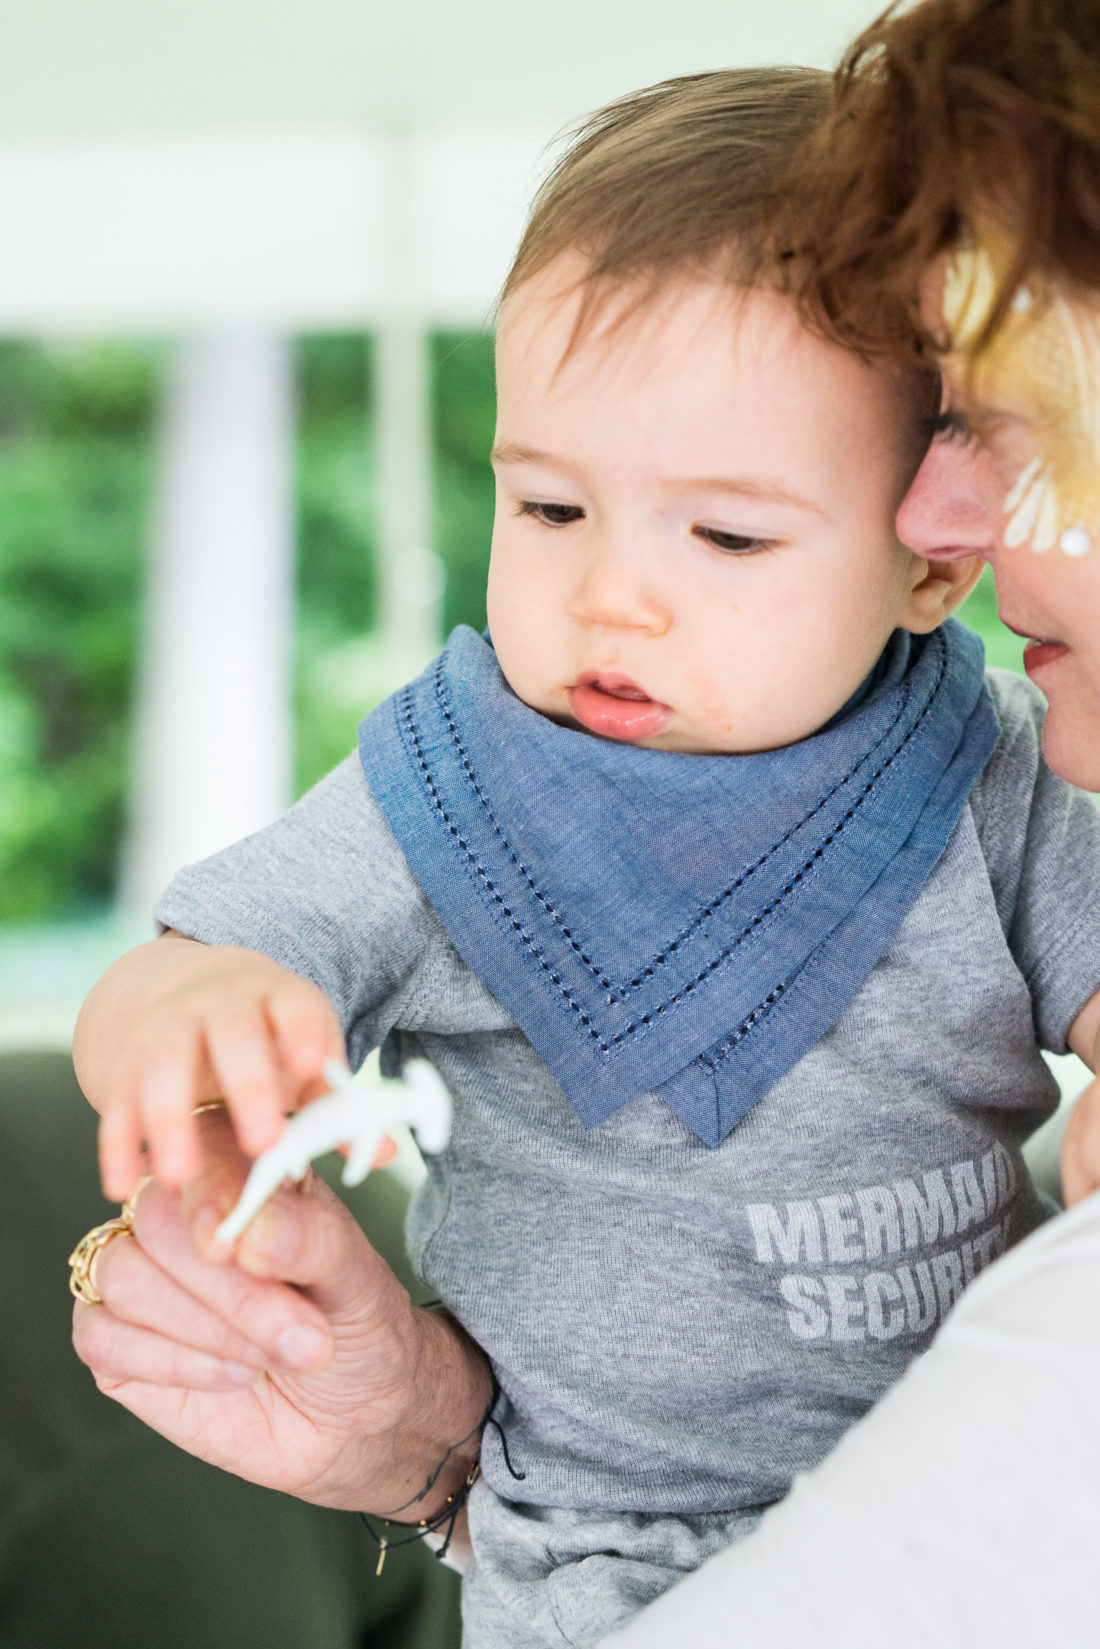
678, 1330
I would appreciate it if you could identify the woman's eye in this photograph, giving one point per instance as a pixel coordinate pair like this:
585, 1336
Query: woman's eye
951, 424
551, 515
733, 543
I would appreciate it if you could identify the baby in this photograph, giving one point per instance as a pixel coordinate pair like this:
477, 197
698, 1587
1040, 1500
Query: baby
729, 896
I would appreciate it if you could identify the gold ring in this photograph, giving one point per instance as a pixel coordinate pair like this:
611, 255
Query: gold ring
87, 1251
210, 1105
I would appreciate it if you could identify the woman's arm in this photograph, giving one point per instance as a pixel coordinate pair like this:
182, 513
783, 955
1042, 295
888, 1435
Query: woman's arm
1081, 1141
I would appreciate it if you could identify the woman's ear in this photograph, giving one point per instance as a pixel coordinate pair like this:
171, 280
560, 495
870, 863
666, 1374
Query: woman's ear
938, 590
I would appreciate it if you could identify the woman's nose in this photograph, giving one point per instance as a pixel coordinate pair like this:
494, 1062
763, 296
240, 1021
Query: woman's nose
620, 590
953, 507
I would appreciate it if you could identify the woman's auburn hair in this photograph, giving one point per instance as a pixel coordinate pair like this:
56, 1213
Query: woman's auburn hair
949, 115
677, 178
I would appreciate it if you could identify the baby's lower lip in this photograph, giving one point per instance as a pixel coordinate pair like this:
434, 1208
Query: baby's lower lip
613, 717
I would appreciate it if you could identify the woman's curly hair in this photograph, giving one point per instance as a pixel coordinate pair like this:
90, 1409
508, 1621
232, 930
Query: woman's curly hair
949, 114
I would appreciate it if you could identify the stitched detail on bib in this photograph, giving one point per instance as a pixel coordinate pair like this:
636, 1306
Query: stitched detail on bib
620, 993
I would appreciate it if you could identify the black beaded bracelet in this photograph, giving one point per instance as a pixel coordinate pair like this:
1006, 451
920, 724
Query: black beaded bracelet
445, 1518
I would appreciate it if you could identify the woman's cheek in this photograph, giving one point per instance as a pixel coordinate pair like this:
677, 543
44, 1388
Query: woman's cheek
1071, 735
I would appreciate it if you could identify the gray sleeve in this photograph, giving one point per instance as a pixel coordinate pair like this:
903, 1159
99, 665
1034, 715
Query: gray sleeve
1041, 840
326, 892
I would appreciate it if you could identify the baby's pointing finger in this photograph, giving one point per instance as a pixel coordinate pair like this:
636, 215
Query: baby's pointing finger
307, 1030
242, 1054
166, 1085
120, 1161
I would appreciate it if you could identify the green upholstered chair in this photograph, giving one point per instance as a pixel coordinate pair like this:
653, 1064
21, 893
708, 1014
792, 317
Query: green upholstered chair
111, 1538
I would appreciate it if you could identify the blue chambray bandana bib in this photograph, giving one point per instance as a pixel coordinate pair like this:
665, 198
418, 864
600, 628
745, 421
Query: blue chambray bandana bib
679, 924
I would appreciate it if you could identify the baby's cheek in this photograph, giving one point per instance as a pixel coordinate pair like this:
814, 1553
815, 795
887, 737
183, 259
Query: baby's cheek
732, 693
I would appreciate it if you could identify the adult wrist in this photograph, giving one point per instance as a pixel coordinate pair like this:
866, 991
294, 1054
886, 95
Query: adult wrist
437, 1439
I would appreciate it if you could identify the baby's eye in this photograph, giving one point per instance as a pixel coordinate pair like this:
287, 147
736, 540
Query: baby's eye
733, 543
551, 515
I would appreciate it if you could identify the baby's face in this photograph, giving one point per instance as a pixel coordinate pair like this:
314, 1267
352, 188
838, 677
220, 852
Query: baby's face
694, 546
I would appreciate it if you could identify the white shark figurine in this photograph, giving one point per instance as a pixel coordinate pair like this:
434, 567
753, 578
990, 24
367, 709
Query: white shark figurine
348, 1115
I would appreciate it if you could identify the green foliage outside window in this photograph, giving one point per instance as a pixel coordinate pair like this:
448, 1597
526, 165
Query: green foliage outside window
75, 471
77, 453
464, 412
77, 438
337, 680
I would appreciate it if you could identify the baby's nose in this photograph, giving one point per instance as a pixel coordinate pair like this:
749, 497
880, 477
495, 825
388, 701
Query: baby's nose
620, 590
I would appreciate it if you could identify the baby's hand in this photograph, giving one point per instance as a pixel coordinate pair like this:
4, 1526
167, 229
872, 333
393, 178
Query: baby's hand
176, 1023
1081, 1147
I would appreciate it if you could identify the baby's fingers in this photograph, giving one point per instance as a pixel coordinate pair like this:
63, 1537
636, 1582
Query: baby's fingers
121, 1164
307, 1031
249, 1074
167, 1085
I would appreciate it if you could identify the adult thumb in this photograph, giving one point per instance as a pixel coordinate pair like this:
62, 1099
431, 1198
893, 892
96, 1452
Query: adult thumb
305, 1236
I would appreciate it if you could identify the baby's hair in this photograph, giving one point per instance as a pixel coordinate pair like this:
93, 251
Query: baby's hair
949, 113
676, 179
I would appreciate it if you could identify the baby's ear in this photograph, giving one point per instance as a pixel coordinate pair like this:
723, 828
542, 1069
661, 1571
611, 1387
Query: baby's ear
936, 592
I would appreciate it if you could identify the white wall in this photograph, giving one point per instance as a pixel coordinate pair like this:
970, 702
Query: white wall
77, 67
181, 165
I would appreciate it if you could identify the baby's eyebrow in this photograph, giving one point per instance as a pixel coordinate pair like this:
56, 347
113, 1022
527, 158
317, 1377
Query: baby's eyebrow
509, 452
769, 492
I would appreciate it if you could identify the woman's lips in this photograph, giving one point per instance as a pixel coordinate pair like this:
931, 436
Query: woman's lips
1038, 651
1038, 654
616, 707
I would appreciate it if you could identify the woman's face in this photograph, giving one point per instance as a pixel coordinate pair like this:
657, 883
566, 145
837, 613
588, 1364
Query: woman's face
1026, 496
956, 506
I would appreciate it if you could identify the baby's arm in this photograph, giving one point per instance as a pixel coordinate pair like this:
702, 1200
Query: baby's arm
174, 1023
313, 936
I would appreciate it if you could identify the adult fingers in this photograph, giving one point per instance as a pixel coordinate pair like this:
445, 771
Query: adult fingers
210, 1194
115, 1350
291, 1331
135, 1290
307, 1238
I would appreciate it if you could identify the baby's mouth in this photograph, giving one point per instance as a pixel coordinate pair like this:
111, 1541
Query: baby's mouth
615, 707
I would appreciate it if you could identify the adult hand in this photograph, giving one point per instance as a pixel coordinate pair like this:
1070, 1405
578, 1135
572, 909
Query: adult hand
294, 1359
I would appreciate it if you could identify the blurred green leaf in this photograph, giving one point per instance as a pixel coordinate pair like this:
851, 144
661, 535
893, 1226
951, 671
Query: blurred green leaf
76, 429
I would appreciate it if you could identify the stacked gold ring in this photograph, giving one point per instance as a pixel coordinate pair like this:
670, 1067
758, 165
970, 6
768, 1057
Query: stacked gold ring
83, 1258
